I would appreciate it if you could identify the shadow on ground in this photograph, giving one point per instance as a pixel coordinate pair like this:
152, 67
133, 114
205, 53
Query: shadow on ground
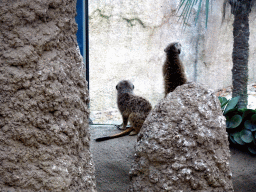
113, 159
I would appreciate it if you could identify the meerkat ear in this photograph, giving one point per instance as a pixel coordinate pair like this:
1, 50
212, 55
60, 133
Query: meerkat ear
116, 88
132, 86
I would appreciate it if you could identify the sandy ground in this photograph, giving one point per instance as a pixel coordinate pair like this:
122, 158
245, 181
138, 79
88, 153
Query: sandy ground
113, 159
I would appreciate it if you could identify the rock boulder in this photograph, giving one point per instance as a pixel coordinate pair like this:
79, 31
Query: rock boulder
183, 145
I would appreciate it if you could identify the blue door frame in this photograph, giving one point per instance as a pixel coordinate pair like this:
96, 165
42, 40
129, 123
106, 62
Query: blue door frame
82, 34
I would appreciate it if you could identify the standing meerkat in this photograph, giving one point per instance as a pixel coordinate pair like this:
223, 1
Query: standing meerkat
173, 69
132, 107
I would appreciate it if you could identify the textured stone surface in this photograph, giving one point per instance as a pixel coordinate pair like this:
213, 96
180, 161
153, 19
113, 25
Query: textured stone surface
44, 137
183, 145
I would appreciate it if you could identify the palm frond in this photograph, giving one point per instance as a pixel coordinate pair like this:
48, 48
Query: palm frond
186, 7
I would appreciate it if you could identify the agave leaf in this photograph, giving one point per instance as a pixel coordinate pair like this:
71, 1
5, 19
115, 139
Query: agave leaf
235, 121
231, 104
222, 99
252, 150
254, 138
229, 113
227, 122
249, 125
232, 139
223, 105
246, 112
223, 102
246, 136
238, 139
253, 118
243, 110
253, 127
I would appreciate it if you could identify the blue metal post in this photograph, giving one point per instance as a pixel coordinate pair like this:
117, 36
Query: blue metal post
82, 20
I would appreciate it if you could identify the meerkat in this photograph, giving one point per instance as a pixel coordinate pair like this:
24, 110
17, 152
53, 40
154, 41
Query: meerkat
173, 69
132, 107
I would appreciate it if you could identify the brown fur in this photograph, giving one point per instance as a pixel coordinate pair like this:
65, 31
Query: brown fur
173, 69
132, 107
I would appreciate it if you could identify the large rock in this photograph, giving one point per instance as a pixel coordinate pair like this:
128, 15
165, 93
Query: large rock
44, 137
183, 145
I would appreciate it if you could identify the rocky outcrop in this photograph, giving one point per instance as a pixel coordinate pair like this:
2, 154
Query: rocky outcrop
183, 145
44, 138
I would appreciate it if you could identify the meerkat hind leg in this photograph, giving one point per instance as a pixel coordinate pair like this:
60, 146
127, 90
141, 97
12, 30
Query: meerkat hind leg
136, 122
124, 123
120, 127
133, 133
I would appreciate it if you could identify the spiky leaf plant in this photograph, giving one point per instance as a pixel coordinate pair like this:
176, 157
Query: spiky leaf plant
241, 123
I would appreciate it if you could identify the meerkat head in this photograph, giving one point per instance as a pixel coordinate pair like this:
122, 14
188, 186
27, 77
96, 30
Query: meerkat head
125, 86
173, 48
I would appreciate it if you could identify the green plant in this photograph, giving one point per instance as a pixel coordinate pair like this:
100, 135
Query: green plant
241, 123
241, 10
187, 6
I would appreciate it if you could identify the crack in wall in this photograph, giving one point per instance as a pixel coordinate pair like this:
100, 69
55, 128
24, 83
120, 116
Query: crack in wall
100, 14
132, 23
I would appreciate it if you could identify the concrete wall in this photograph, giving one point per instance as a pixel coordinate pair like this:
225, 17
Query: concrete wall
127, 39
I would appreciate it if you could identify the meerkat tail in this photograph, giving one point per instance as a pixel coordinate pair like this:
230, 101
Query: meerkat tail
125, 132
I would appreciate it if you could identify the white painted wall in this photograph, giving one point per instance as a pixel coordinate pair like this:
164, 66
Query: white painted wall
127, 39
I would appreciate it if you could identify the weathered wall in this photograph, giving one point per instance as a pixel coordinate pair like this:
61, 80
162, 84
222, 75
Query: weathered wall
44, 138
127, 39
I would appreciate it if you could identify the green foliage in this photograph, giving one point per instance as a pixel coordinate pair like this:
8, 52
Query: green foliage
234, 122
231, 104
187, 5
241, 123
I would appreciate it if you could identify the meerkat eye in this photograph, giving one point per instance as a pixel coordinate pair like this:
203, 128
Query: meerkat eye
116, 88
132, 86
